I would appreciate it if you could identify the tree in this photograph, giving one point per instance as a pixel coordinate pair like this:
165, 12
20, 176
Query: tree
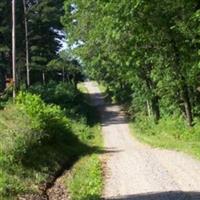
145, 51
27, 43
5, 42
37, 31
13, 48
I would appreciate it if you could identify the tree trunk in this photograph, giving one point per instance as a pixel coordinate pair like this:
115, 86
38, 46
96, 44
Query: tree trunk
68, 79
2, 81
154, 100
184, 87
2, 75
43, 78
187, 105
27, 44
13, 49
180, 76
148, 109
155, 108
63, 74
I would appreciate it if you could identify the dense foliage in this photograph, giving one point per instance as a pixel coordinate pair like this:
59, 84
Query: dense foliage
39, 138
48, 126
146, 52
39, 40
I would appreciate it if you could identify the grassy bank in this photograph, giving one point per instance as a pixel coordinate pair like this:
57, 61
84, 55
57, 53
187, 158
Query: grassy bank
85, 181
45, 129
170, 133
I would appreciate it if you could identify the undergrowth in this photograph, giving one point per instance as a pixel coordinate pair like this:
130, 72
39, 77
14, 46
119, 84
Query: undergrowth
4, 98
85, 181
39, 136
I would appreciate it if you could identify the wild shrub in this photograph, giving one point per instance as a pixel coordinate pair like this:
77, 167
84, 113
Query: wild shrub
37, 139
63, 94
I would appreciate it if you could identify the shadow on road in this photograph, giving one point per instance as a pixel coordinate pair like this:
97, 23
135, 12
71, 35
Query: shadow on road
110, 113
176, 195
173, 195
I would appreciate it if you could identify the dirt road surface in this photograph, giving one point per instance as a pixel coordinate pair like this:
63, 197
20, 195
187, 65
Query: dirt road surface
135, 171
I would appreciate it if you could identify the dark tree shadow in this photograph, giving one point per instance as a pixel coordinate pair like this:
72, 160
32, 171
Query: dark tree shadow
107, 117
171, 195
66, 150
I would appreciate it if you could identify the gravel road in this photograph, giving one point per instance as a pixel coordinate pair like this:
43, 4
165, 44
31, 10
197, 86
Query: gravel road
135, 171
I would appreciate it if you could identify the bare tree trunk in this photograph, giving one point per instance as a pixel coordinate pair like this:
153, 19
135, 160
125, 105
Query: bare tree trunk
68, 77
2, 75
27, 44
184, 87
63, 74
148, 109
13, 49
187, 105
155, 108
2, 81
43, 78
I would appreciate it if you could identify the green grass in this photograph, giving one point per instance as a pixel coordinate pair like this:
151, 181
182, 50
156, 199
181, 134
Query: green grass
82, 88
37, 140
169, 133
39, 137
102, 87
85, 181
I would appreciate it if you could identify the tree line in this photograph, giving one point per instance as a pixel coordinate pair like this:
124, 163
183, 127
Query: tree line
39, 32
146, 52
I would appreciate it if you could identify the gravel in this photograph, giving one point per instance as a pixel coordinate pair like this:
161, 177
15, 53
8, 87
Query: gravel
137, 171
